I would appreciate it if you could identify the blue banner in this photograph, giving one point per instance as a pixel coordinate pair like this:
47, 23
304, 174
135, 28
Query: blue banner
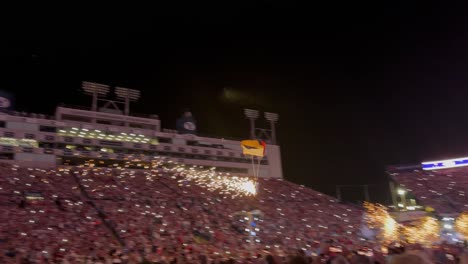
444, 164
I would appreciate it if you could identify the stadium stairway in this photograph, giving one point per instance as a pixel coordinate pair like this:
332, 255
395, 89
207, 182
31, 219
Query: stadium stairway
101, 214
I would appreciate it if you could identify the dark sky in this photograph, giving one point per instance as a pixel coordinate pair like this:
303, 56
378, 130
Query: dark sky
358, 86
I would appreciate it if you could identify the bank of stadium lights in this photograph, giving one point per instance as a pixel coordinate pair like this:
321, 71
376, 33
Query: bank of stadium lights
252, 115
95, 90
128, 95
273, 118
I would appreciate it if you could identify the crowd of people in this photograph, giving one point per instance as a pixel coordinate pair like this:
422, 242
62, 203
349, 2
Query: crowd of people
104, 215
444, 190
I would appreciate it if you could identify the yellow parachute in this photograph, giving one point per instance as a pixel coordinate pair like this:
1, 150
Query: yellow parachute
253, 148
256, 150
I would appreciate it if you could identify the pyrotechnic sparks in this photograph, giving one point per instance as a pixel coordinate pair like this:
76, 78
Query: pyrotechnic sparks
210, 179
461, 224
215, 181
249, 187
379, 218
425, 232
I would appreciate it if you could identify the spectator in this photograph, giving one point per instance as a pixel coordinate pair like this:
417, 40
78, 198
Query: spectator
407, 258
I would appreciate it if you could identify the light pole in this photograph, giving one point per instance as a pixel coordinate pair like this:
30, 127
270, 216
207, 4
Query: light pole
252, 115
127, 95
273, 118
95, 89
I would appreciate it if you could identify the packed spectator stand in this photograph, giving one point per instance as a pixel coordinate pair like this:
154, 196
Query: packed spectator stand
121, 215
444, 190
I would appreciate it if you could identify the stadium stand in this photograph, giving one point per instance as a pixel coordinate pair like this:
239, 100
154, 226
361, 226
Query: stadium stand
103, 215
444, 190
152, 212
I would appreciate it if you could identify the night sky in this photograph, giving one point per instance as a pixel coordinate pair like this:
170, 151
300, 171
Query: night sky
358, 86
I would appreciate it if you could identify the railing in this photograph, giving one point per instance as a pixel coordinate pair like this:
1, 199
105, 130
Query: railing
218, 137
206, 135
79, 107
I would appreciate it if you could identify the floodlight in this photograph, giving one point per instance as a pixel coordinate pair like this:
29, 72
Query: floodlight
272, 117
124, 93
252, 114
95, 88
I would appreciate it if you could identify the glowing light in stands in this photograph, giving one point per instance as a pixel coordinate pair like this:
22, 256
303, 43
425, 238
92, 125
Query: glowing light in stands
461, 224
378, 217
426, 232
86, 133
212, 180
444, 164
447, 226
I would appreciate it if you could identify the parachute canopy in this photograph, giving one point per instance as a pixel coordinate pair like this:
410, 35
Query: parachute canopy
253, 147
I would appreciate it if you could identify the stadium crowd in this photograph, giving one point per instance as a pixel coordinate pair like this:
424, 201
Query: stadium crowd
119, 215
444, 190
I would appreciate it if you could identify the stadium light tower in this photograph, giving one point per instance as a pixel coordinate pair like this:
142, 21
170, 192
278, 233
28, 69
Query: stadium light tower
273, 118
95, 90
252, 115
129, 95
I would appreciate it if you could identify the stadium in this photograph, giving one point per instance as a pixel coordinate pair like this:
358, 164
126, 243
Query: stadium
98, 185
